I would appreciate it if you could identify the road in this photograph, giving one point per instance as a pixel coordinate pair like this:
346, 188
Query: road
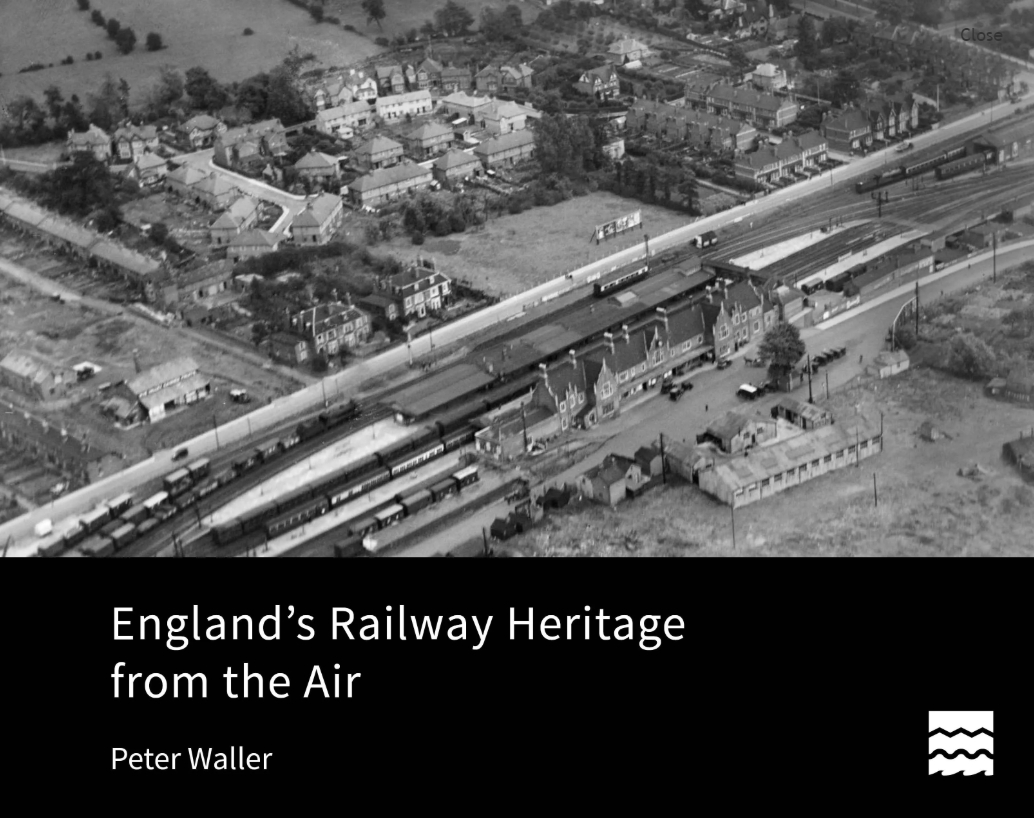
862, 331
346, 383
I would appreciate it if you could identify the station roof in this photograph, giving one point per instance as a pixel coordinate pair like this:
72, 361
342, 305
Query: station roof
441, 389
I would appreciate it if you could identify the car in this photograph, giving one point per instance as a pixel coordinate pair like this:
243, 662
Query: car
764, 387
747, 391
840, 352
536, 448
724, 363
819, 360
676, 394
180, 455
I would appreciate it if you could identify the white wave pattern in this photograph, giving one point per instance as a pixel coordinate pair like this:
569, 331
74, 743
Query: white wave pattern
970, 720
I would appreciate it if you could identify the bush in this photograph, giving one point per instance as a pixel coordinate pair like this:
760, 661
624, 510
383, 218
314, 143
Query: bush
97, 18
383, 42
154, 41
349, 27
97, 55
89, 57
970, 357
159, 232
332, 20
418, 237
248, 32
84, 5
114, 26
67, 60
126, 40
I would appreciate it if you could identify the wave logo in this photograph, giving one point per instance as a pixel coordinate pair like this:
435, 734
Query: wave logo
962, 742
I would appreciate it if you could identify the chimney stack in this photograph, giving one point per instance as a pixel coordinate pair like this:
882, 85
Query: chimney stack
545, 374
609, 338
664, 317
572, 356
624, 329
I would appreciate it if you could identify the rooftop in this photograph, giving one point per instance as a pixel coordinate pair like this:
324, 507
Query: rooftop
163, 373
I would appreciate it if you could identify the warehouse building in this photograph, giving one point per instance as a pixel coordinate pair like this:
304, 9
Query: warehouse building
164, 387
34, 377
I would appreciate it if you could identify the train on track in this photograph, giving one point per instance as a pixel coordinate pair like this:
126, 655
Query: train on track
967, 164
622, 277
347, 483
910, 170
116, 523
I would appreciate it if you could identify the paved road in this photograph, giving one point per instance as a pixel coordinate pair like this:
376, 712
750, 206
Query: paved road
862, 331
346, 383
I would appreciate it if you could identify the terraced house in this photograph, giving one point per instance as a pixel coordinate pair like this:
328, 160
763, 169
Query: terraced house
767, 110
506, 149
737, 315
848, 131
343, 120
320, 219
399, 106
429, 139
672, 123
242, 213
770, 163
419, 290
388, 183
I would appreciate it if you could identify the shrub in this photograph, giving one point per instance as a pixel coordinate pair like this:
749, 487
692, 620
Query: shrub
159, 232
97, 55
97, 18
114, 26
383, 42
126, 40
418, 237
67, 60
970, 357
332, 20
89, 57
248, 32
84, 5
154, 41
349, 27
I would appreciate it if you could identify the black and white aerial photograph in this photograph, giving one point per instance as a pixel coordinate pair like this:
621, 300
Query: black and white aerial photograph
516, 278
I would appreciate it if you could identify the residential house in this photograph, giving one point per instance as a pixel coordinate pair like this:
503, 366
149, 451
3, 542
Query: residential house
388, 183
94, 141
429, 139
329, 328
249, 148
702, 130
737, 315
615, 149
381, 306
150, 169
516, 76
503, 117
456, 79
429, 74
463, 104
418, 290
760, 472
390, 79
733, 432
488, 80
35, 377
455, 165
848, 132
343, 120
362, 88
379, 152
242, 213
162, 388
400, 106
133, 267
770, 163
133, 141
51, 445
253, 243
627, 51
194, 286
215, 191
200, 131
506, 149
319, 221
410, 74
318, 166
609, 482
507, 435
765, 109
877, 123
768, 77
183, 179
288, 348
600, 83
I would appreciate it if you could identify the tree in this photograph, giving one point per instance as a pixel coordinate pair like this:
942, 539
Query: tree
807, 47
284, 100
52, 96
501, 25
126, 40
316, 11
159, 232
970, 357
123, 96
845, 87
782, 347
894, 11
374, 12
204, 91
79, 188
428, 29
84, 5
97, 18
114, 26
154, 41
168, 89
452, 19
105, 105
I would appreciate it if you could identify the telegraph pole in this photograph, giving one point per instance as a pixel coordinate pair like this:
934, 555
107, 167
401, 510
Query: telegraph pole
524, 427
732, 508
215, 428
810, 400
917, 309
664, 464
875, 496
994, 257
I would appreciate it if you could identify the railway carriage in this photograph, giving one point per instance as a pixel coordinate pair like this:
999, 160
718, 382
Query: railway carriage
93, 520
362, 527
619, 279
444, 488
358, 486
177, 482
389, 516
464, 477
199, 469
350, 547
123, 536
120, 504
296, 517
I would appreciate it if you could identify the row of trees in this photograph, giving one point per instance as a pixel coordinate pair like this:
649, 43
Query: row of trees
83, 188
123, 36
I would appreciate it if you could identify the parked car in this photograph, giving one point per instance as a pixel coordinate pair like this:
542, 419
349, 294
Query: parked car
180, 455
747, 392
724, 363
819, 360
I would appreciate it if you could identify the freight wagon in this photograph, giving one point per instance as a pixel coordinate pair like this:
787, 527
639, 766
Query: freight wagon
123, 536
93, 520
97, 547
350, 547
135, 515
119, 504
444, 489
389, 516
177, 483
414, 501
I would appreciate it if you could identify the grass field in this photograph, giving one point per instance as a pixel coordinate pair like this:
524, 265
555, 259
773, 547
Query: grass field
196, 32
926, 508
514, 252
404, 15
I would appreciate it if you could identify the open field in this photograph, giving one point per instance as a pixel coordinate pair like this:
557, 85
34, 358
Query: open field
514, 252
925, 507
196, 32
77, 332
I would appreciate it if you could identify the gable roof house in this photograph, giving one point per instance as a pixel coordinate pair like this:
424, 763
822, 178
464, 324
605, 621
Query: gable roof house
418, 290
399, 106
456, 79
251, 243
429, 139
516, 76
390, 79
183, 179
132, 141
736, 315
343, 120
215, 191
316, 165
242, 213
455, 165
249, 147
379, 152
331, 327
503, 117
201, 130
600, 83
317, 223
94, 141
150, 169
506, 149
627, 50
609, 482
35, 377
429, 74
849, 131
388, 183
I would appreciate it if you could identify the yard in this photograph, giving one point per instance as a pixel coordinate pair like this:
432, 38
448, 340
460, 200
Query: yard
596, 34
208, 33
73, 333
926, 507
515, 252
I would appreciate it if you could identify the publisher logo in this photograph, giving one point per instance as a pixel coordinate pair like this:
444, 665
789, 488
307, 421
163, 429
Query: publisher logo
961, 742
